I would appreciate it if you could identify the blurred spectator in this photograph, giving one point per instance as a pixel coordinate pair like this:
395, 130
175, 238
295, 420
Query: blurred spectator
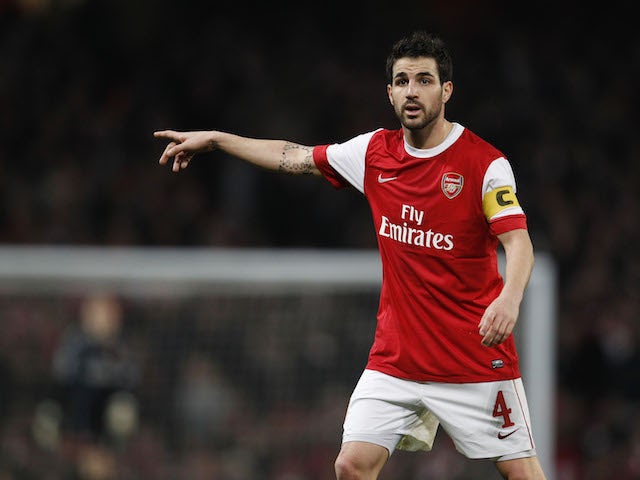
92, 366
205, 403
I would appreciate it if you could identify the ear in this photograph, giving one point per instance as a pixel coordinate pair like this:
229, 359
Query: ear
447, 91
389, 95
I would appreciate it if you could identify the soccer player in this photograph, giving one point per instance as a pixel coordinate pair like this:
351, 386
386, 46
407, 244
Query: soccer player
442, 200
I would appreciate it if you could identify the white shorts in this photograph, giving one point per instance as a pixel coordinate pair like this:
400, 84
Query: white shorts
484, 420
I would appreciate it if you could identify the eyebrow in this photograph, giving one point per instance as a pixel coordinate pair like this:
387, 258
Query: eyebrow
419, 74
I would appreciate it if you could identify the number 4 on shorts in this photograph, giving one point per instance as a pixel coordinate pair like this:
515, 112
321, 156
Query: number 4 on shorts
500, 409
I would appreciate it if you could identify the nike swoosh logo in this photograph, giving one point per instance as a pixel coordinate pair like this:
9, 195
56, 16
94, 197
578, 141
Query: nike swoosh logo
502, 437
385, 180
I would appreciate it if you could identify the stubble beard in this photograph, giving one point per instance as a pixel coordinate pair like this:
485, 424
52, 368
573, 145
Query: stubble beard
428, 117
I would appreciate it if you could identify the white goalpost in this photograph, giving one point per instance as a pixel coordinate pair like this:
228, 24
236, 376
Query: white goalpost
538, 356
177, 273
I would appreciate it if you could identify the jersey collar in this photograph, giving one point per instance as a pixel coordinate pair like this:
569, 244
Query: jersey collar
453, 135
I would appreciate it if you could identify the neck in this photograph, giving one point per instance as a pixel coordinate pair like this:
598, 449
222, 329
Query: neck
430, 136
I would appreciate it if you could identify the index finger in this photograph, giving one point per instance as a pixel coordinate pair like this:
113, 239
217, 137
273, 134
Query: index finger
168, 134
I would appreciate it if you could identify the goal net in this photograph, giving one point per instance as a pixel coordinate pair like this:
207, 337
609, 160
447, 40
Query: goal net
204, 363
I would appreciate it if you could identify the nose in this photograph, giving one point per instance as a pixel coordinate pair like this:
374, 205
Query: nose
412, 91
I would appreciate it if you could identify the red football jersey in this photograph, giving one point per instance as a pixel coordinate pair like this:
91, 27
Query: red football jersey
436, 214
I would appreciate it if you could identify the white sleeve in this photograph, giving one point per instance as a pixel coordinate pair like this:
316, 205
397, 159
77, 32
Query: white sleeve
348, 158
499, 174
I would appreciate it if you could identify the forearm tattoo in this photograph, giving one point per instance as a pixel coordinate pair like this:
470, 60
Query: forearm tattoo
289, 165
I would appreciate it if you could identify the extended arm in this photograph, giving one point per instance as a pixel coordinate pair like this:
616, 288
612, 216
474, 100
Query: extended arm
279, 155
501, 315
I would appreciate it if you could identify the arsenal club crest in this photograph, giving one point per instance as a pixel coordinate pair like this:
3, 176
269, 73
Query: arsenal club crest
452, 184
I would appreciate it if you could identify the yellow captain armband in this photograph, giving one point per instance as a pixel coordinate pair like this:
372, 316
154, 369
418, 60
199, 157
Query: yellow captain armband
498, 200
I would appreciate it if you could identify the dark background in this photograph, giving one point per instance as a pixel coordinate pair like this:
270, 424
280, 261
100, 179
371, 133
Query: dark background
83, 84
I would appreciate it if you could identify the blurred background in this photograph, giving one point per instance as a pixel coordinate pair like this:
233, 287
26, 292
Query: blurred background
104, 386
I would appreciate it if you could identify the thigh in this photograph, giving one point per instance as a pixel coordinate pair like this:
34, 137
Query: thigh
387, 411
484, 420
521, 468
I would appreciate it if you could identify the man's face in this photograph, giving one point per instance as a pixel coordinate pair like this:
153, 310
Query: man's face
416, 93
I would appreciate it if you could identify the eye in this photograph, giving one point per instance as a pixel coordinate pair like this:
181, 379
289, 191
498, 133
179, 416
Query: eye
425, 81
401, 81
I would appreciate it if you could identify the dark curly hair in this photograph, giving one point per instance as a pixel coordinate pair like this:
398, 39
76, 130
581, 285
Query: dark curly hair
422, 44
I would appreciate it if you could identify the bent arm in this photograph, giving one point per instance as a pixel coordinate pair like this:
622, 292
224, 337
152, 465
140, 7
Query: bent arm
501, 315
278, 155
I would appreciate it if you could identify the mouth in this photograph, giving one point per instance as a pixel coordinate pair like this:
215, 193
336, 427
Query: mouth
412, 109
